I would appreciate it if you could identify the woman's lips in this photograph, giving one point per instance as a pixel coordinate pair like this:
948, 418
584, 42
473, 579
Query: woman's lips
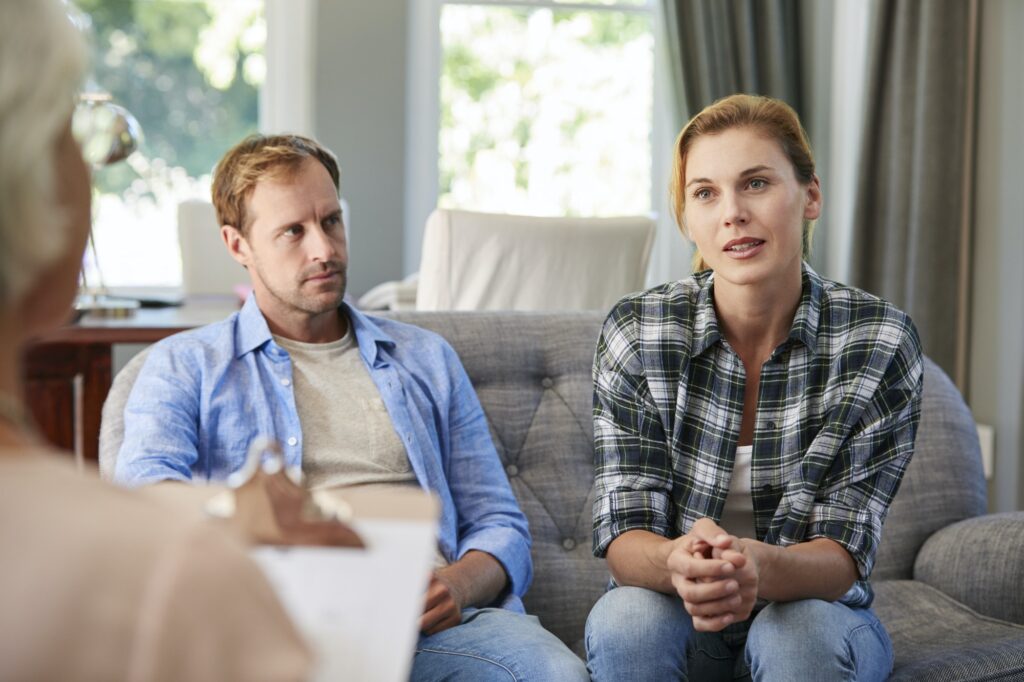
741, 249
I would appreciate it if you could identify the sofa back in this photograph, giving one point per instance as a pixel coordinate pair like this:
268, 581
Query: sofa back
532, 373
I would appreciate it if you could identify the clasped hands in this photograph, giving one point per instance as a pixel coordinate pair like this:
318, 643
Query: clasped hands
715, 574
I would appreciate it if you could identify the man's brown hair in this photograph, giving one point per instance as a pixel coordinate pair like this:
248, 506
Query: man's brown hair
258, 157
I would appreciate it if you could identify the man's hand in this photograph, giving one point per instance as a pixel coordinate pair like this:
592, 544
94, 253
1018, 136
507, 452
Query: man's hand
714, 576
474, 580
444, 606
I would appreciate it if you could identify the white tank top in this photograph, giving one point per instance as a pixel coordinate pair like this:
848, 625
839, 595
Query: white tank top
738, 515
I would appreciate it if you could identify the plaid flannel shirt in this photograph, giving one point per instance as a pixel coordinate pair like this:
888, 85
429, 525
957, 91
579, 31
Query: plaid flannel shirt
837, 413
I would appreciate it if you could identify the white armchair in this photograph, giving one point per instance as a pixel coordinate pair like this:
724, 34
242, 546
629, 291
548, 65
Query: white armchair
206, 266
483, 261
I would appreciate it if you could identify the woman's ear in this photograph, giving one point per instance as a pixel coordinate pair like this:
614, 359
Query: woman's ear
813, 200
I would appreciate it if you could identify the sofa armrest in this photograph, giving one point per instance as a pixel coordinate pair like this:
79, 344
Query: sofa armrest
980, 563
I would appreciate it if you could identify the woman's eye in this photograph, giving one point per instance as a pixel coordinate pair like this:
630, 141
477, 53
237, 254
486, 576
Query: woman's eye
758, 183
702, 194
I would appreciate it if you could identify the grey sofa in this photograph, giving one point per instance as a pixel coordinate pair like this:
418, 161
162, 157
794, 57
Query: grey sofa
949, 578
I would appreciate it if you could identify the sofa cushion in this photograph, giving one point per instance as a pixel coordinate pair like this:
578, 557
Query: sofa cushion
532, 373
936, 638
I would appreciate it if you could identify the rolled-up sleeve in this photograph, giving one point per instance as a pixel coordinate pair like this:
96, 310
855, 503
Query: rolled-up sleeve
632, 472
872, 456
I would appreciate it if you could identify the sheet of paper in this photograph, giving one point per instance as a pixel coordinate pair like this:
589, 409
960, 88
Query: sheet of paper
358, 609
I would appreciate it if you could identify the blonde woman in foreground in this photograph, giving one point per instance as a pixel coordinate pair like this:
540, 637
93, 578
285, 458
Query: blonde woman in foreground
96, 583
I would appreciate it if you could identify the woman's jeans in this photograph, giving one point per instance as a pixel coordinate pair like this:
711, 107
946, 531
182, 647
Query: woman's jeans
639, 634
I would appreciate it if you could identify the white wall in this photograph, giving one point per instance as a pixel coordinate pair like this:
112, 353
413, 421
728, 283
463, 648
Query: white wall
997, 324
359, 113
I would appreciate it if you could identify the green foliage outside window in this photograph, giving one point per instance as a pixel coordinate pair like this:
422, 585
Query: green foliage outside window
189, 70
545, 111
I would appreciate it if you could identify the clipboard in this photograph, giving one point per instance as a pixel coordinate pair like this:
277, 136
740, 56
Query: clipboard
357, 602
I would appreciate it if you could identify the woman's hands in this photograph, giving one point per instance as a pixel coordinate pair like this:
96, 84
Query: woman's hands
715, 574
719, 577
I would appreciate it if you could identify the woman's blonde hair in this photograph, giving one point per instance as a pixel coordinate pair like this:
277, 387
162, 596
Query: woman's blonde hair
42, 61
771, 117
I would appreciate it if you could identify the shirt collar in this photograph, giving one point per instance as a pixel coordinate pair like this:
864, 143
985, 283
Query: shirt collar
808, 312
252, 331
370, 337
805, 323
705, 321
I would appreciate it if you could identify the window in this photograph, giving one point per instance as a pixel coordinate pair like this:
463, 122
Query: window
190, 71
542, 107
546, 107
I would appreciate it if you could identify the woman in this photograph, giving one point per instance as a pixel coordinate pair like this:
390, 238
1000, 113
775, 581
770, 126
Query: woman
95, 583
752, 424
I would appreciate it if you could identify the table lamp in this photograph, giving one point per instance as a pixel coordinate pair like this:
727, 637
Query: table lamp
107, 133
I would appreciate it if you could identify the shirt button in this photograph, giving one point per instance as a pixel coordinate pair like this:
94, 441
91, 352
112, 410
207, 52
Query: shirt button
408, 438
293, 440
512, 470
772, 425
568, 544
546, 382
286, 382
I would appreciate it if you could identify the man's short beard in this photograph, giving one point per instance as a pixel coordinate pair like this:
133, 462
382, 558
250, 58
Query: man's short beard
295, 298
342, 286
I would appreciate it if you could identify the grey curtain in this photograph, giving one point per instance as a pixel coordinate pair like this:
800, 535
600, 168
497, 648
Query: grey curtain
720, 47
912, 221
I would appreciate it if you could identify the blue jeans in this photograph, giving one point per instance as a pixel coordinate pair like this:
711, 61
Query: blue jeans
495, 644
638, 634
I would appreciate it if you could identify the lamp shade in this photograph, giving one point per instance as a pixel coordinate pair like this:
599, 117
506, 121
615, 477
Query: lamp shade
107, 132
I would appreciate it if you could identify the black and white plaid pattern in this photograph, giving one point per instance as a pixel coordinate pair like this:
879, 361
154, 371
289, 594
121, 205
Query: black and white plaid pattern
836, 418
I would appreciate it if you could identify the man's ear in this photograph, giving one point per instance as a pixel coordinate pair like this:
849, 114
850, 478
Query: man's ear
236, 243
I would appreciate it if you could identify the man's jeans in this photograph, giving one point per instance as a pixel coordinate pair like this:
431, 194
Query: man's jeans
496, 644
639, 634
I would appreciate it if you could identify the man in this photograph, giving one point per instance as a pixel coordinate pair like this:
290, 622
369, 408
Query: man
353, 400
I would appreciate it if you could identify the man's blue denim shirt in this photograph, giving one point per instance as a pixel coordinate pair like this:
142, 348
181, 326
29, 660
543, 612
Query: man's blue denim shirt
204, 395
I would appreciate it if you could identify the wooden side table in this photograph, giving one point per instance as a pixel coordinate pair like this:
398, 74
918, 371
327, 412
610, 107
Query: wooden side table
67, 373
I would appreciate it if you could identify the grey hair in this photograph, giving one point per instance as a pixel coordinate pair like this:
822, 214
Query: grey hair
42, 61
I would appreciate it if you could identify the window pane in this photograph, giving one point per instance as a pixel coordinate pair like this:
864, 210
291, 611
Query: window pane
545, 112
190, 71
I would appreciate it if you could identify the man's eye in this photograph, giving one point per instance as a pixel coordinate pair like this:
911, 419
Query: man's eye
333, 220
293, 231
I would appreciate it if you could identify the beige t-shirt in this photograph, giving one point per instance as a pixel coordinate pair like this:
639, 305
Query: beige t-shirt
97, 583
348, 437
